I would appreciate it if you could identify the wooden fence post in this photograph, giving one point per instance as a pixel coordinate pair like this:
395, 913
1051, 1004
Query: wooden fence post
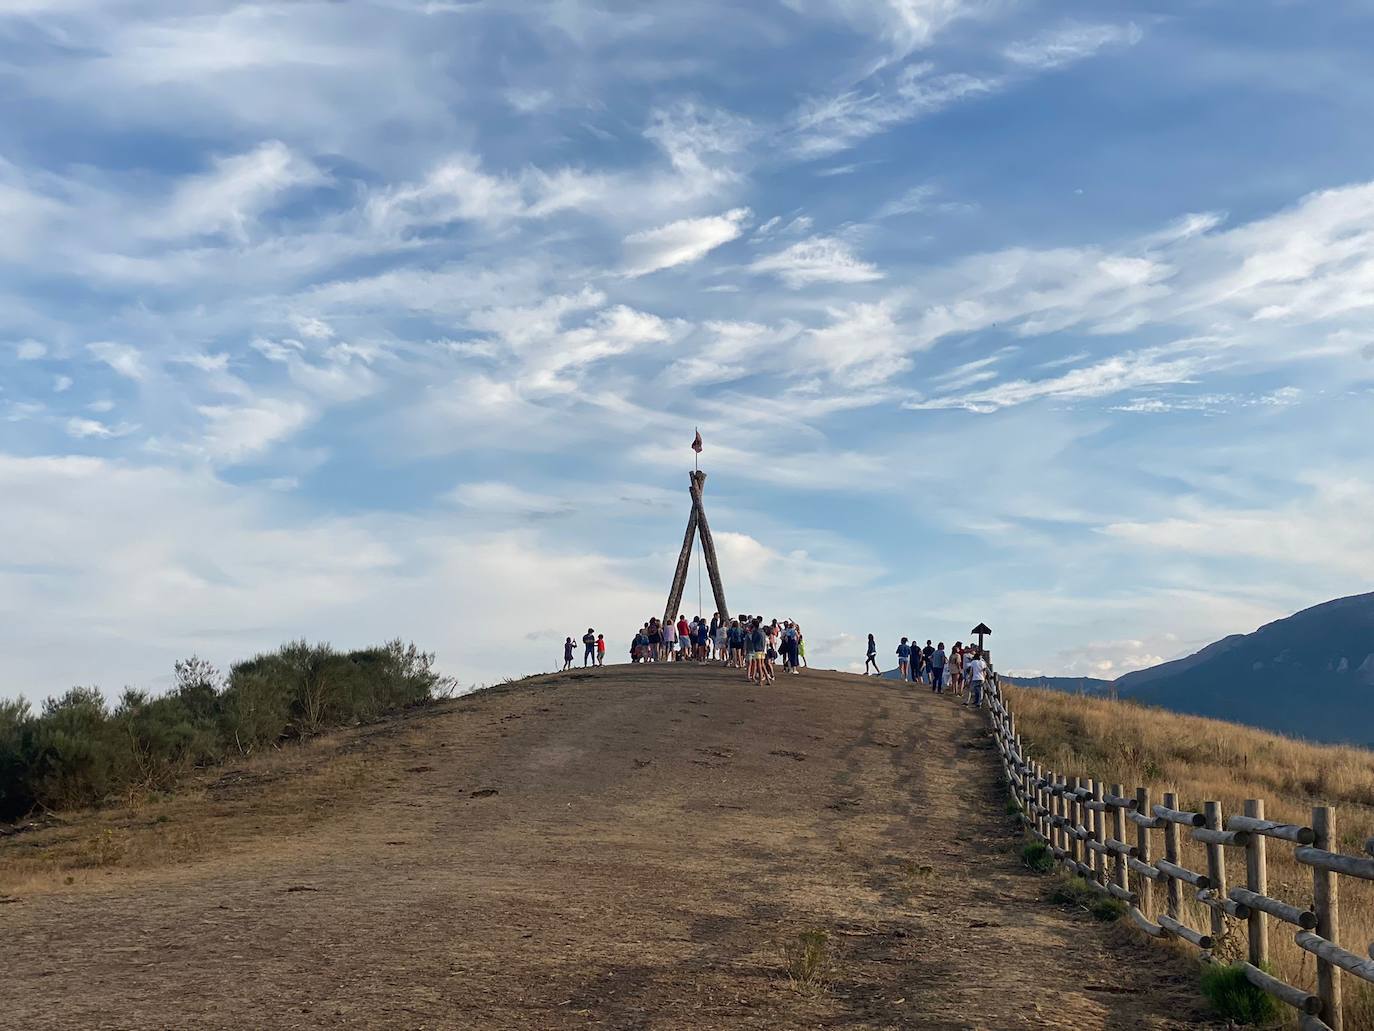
1142, 846
1061, 838
1071, 805
1216, 869
1034, 776
1099, 835
1175, 899
1123, 877
1325, 900
1257, 880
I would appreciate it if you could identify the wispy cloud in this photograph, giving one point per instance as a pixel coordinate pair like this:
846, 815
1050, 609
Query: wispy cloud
681, 242
819, 259
1070, 43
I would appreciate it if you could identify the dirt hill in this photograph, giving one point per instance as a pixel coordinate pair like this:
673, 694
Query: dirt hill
631, 848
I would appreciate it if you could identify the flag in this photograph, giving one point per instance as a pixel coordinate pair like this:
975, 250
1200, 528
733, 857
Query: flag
696, 443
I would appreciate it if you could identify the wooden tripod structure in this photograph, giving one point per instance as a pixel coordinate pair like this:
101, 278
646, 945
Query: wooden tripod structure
696, 523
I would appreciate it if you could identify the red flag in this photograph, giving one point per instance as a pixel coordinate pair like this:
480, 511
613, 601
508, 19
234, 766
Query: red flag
696, 444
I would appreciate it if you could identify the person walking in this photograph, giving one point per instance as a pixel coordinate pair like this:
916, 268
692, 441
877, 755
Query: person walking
589, 648
904, 659
872, 659
977, 671
568, 649
600, 650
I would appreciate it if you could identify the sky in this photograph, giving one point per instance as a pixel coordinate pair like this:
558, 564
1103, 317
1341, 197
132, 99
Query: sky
395, 318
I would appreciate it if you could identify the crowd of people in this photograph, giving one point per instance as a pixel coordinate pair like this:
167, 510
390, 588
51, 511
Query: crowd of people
962, 670
743, 642
750, 644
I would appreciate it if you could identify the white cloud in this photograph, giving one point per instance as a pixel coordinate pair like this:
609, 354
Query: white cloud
819, 259
680, 242
862, 340
1070, 43
901, 25
61, 384
30, 350
123, 359
230, 197
237, 432
506, 499
827, 125
1128, 371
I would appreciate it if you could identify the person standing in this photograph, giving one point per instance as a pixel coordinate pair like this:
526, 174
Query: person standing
937, 669
872, 659
600, 650
976, 671
568, 649
589, 648
927, 653
904, 659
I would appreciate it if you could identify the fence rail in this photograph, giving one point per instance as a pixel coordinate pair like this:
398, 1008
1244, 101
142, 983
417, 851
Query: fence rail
1085, 826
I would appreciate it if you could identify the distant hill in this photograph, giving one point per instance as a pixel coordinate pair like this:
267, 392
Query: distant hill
1073, 685
1310, 675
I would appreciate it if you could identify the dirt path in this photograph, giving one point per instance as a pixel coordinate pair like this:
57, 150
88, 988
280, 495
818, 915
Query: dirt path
625, 850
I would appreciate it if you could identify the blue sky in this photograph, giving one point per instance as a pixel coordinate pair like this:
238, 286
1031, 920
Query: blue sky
395, 318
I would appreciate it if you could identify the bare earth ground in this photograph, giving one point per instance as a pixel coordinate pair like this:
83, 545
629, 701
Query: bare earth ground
625, 849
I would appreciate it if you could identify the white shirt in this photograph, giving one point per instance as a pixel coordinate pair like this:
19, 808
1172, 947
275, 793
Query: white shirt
975, 668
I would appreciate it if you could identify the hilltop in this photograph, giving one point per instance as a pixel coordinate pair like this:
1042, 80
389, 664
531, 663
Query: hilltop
633, 847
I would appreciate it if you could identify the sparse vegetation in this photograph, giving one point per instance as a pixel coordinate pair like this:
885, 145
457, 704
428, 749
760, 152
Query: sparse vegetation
1236, 999
1202, 759
1068, 890
80, 752
808, 960
1037, 857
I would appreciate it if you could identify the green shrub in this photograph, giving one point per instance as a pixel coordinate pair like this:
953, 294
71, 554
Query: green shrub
1037, 857
1013, 806
1074, 891
77, 752
1236, 999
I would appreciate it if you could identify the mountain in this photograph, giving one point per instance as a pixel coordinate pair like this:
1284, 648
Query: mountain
1310, 675
1071, 685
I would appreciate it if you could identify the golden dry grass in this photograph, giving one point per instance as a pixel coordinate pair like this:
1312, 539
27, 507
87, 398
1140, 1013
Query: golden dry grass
1201, 760
290, 788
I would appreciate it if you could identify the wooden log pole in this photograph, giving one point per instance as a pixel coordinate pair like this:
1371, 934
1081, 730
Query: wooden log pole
1099, 829
684, 561
1216, 867
1326, 904
1071, 815
1122, 874
708, 546
1173, 892
1257, 881
1142, 848
1059, 806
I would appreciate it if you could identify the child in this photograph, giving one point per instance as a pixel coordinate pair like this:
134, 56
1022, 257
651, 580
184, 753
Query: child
568, 649
600, 650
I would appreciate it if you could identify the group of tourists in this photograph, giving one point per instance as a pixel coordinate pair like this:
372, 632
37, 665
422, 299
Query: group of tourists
744, 642
962, 670
593, 650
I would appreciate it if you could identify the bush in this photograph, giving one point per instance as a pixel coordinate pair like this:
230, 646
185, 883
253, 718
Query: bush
1074, 891
1236, 999
1038, 857
78, 752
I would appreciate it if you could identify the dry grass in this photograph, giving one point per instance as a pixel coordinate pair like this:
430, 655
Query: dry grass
1209, 760
289, 789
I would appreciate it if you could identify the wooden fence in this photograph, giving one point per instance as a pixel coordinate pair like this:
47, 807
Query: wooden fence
1089, 828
